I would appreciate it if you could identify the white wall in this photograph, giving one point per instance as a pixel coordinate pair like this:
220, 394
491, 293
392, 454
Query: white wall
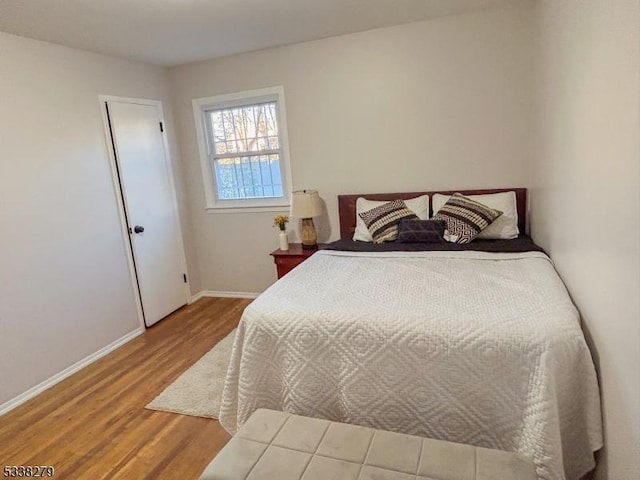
586, 193
436, 104
65, 290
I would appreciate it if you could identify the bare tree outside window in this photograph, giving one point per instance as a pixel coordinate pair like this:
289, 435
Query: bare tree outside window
246, 151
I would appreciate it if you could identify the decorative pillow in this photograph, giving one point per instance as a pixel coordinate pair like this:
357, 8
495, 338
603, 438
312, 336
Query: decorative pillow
421, 231
419, 206
504, 227
382, 221
465, 218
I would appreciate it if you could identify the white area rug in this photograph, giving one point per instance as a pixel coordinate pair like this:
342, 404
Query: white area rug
198, 391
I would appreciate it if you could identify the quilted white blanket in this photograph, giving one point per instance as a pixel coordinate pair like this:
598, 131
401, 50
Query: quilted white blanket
472, 347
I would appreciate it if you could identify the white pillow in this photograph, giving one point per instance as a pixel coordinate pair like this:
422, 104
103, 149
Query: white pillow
505, 226
419, 206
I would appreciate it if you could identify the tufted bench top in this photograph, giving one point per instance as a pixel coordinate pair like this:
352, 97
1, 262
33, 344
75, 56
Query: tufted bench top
279, 446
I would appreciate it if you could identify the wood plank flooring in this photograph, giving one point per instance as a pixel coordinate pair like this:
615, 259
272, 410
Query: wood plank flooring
94, 424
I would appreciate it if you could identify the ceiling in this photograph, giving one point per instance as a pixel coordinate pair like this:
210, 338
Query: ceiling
173, 32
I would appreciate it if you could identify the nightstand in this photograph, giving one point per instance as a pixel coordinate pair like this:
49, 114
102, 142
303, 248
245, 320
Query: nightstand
286, 260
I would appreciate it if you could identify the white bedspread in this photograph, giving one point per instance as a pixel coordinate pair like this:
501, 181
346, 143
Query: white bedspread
470, 347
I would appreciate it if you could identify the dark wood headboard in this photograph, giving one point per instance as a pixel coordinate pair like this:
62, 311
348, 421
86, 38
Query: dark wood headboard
347, 204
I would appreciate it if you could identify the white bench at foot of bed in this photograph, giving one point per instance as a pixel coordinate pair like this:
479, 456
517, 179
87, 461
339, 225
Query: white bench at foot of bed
279, 446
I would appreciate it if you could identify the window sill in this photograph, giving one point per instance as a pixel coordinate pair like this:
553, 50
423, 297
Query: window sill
266, 209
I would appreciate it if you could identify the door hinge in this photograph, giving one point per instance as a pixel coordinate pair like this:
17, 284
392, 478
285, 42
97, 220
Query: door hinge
184, 276
161, 127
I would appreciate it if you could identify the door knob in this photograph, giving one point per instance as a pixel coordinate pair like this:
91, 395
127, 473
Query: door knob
138, 229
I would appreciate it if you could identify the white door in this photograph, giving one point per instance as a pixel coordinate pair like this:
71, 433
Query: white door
150, 206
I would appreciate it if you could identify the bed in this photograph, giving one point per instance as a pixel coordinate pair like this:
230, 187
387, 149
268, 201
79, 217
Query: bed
465, 344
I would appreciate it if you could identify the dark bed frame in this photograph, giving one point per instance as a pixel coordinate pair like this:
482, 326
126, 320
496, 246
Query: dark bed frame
347, 204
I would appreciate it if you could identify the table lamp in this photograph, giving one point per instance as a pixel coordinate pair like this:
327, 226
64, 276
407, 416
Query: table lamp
306, 204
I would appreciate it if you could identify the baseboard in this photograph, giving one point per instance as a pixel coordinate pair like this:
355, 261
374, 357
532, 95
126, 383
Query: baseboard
221, 294
58, 377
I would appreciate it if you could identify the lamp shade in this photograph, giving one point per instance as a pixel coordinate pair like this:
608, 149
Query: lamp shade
305, 204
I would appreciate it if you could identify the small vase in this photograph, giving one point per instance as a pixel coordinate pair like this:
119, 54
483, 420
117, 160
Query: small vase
284, 240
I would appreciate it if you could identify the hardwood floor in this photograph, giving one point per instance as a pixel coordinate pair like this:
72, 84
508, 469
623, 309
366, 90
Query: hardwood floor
94, 424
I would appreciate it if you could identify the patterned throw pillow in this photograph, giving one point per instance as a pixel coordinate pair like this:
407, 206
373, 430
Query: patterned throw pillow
382, 221
465, 218
421, 231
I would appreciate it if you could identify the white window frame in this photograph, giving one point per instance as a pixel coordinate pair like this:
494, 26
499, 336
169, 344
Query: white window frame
200, 107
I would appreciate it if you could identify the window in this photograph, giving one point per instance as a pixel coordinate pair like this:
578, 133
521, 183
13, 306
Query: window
243, 148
